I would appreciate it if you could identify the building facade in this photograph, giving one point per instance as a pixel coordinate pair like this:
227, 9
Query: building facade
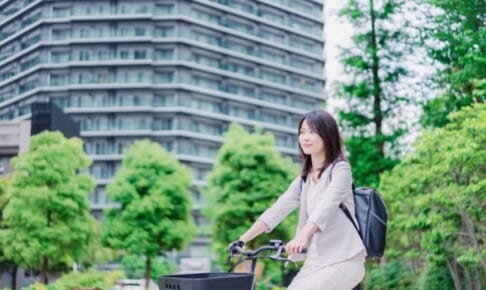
175, 71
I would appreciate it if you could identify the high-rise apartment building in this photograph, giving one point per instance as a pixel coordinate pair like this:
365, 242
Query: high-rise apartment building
175, 71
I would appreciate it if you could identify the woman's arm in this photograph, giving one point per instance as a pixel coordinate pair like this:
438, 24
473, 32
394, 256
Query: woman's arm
254, 231
284, 205
301, 240
287, 202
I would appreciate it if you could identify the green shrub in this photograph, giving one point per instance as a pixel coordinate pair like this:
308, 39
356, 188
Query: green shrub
390, 276
134, 267
90, 279
437, 277
38, 286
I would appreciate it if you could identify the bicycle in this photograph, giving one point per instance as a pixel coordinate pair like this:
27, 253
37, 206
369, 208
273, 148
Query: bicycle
227, 280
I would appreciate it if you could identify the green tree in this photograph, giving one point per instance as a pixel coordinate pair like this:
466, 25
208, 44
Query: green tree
90, 279
6, 263
134, 267
97, 253
247, 178
436, 200
153, 192
455, 37
374, 92
435, 277
47, 218
389, 276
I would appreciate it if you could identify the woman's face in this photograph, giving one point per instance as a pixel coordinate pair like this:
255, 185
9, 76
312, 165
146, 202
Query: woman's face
310, 142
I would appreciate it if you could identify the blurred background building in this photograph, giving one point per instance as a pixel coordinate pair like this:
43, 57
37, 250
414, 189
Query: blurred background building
175, 71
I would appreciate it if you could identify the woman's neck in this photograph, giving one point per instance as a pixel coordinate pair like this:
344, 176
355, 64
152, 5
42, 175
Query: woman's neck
317, 161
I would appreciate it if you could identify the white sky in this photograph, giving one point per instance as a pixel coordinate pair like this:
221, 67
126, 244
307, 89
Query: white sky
336, 33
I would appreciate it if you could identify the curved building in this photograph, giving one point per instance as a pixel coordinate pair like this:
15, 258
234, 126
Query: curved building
175, 71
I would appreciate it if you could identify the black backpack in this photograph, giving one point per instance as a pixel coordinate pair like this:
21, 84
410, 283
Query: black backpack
372, 216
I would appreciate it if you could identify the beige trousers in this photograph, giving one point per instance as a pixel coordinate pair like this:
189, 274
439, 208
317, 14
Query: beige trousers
340, 276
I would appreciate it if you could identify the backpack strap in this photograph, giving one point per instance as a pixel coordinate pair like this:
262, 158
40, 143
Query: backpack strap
348, 214
341, 205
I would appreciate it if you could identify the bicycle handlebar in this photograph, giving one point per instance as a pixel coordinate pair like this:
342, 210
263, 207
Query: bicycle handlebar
274, 245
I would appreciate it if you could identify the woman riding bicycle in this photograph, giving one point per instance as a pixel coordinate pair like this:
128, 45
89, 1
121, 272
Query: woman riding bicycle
335, 253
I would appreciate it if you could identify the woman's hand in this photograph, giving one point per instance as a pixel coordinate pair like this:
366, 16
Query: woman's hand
302, 239
296, 245
234, 246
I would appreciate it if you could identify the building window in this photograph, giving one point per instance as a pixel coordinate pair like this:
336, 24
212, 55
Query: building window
163, 77
84, 32
206, 60
205, 82
164, 54
84, 55
164, 9
58, 79
60, 56
241, 90
240, 47
30, 41
272, 76
301, 104
60, 34
140, 54
59, 12
125, 54
240, 26
272, 16
162, 124
273, 55
164, 31
163, 100
273, 97
140, 31
206, 16
240, 68
272, 36
240, 5
206, 37
29, 63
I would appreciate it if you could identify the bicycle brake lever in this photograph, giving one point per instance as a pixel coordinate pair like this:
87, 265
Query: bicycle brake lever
278, 254
287, 261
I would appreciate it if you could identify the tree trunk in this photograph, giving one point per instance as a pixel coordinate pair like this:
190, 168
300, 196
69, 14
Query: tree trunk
45, 265
477, 280
147, 272
469, 227
375, 66
14, 277
45, 260
451, 264
468, 279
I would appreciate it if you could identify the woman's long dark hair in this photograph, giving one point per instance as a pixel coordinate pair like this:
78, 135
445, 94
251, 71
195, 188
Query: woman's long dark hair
326, 126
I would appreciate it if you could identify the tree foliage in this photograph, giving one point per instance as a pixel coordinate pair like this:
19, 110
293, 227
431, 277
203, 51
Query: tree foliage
134, 267
89, 279
456, 41
6, 263
436, 276
98, 254
373, 120
389, 276
47, 218
152, 190
437, 197
247, 178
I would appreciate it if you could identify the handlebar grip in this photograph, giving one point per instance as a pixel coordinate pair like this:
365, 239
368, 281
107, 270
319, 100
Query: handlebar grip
235, 248
304, 250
